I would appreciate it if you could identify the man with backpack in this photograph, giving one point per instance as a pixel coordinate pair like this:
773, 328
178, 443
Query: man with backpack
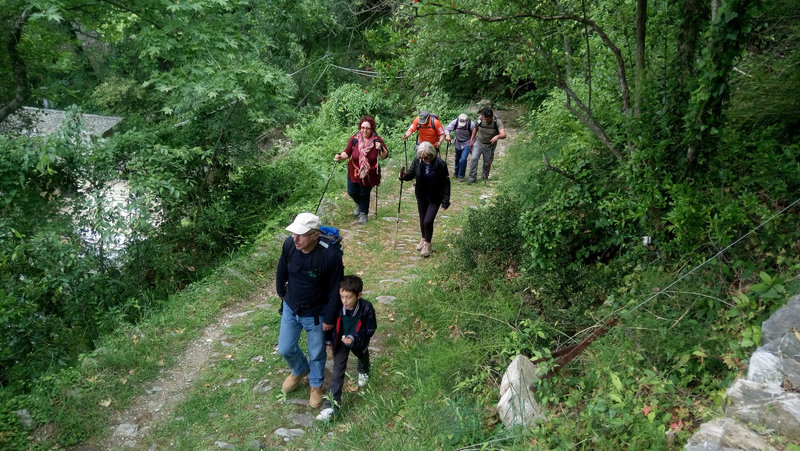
428, 128
307, 281
485, 135
461, 127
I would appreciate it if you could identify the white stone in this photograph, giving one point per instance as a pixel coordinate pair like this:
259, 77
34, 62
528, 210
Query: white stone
765, 368
289, 433
765, 405
518, 408
126, 430
517, 405
520, 371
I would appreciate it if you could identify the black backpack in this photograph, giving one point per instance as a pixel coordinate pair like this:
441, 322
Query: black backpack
431, 117
494, 123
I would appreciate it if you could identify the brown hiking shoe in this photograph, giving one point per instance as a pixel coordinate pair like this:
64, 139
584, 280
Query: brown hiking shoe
421, 243
315, 400
292, 382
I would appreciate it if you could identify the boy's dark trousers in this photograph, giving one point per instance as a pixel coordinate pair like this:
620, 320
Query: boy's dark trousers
340, 354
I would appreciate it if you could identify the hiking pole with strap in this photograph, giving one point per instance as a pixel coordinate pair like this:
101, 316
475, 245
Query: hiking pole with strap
447, 149
326, 186
400, 198
376, 195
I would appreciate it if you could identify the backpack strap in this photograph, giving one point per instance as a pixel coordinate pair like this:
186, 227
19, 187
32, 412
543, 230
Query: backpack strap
430, 121
319, 257
316, 258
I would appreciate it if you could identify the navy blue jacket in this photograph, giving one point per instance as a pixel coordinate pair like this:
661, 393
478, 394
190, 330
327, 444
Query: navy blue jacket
365, 327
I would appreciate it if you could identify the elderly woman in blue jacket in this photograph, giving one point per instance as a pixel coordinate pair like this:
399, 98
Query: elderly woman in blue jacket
432, 190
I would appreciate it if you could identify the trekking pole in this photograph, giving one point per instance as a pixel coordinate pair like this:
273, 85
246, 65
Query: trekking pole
447, 149
400, 198
376, 200
326, 186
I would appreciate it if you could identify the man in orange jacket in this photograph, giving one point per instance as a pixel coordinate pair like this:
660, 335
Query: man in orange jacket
428, 129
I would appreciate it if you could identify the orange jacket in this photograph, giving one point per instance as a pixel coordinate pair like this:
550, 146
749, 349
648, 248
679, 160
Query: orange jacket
427, 132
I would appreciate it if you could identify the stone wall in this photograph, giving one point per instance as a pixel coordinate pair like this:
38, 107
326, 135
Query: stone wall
767, 403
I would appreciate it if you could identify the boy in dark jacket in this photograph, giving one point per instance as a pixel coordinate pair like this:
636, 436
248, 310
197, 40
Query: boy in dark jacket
353, 329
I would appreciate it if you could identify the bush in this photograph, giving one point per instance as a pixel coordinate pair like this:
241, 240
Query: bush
491, 240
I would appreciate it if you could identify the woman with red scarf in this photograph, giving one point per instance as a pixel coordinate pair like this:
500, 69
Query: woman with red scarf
363, 171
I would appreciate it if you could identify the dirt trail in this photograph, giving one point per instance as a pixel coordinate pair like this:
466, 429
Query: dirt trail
130, 428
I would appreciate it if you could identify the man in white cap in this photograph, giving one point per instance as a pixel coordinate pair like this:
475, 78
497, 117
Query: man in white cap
428, 129
461, 127
307, 281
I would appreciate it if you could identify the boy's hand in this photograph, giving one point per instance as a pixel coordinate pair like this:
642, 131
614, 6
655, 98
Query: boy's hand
347, 340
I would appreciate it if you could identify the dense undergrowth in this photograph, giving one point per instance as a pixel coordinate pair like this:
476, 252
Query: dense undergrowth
664, 368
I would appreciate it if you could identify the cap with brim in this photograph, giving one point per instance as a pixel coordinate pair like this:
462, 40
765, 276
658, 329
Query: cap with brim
462, 119
423, 117
303, 223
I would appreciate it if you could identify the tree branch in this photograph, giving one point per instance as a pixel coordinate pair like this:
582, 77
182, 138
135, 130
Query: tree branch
581, 112
547, 165
623, 82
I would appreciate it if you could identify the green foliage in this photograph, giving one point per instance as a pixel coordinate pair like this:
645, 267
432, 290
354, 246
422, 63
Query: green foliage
492, 237
762, 91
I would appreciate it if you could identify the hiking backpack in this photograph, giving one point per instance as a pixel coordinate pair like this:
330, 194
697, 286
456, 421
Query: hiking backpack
431, 117
494, 123
468, 126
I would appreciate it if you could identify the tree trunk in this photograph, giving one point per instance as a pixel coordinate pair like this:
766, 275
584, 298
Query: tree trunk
17, 66
641, 27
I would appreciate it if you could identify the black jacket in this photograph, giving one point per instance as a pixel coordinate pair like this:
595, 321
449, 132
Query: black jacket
441, 181
365, 328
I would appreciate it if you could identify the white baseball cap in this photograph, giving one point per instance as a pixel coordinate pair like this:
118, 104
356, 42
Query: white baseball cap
304, 222
462, 119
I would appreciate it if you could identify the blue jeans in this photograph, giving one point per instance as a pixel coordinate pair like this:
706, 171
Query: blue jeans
461, 162
360, 195
291, 327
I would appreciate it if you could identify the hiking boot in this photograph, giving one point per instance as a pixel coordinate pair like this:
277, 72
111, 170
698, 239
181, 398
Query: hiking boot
419, 246
362, 218
362, 379
315, 400
292, 382
326, 414
357, 211
426, 249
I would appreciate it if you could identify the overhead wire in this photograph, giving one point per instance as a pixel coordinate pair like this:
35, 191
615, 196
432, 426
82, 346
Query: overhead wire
687, 274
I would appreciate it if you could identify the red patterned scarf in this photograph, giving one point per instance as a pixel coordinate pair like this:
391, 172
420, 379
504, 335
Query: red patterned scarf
364, 146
